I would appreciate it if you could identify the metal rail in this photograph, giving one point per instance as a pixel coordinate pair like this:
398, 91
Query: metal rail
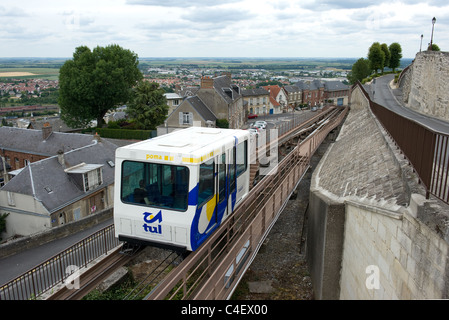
93, 276
426, 150
59, 268
214, 270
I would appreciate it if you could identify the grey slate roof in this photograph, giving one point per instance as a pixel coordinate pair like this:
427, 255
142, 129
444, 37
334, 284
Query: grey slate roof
255, 92
222, 85
293, 88
335, 86
312, 85
316, 85
189, 91
57, 124
302, 85
201, 108
31, 141
48, 173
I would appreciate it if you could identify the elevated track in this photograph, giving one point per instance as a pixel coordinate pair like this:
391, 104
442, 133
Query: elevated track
215, 269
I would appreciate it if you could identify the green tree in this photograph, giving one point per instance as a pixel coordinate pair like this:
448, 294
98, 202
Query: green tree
435, 47
387, 53
396, 55
376, 57
360, 70
148, 108
96, 81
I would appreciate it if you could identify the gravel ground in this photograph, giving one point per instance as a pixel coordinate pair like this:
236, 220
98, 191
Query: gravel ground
279, 271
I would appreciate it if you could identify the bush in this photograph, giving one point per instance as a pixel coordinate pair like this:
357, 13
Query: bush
222, 123
125, 134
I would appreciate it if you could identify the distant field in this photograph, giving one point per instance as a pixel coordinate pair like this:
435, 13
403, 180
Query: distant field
30, 73
29, 68
15, 74
250, 63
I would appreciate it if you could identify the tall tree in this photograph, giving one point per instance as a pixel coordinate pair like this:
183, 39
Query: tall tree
148, 108
376, 57
360, 70
386, 50
396, 55
96, 81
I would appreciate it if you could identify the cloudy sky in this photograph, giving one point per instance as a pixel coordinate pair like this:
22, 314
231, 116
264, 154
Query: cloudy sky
220, 28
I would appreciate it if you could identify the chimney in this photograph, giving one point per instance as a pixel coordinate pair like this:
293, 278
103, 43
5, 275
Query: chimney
207, 83
46, 130
227, 73
61, 158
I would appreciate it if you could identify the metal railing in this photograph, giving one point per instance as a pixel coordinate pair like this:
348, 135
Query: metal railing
427, 150
60, 267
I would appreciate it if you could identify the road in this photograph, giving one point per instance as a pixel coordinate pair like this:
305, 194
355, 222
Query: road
276, 120
390, 98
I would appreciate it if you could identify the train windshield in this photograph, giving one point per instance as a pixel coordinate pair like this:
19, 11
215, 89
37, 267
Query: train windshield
155, 185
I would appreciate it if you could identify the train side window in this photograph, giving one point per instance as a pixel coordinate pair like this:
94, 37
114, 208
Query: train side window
241, 158
232, 170
206, 182
222, 178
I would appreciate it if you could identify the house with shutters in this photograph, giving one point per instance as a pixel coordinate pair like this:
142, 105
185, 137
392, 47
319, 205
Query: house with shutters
294, 96
216, 99
312, 92
59, 189
258, 100
191, 112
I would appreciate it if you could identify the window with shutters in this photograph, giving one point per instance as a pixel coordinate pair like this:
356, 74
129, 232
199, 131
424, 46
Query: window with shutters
186, 118
92, 179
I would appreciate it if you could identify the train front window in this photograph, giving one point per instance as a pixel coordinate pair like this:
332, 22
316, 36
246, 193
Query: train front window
155, 185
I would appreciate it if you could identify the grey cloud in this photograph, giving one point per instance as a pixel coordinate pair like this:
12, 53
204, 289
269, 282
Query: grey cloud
179, 3
12, 12
216, 15
346, 4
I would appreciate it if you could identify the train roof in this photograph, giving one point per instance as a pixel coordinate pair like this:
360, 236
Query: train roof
191, 145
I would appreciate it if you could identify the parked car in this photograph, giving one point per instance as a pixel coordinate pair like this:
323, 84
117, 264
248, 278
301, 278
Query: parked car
259, 126
262, 123
252, 116
254, 131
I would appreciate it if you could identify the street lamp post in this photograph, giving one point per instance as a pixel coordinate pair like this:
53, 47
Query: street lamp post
431, 38
420, 46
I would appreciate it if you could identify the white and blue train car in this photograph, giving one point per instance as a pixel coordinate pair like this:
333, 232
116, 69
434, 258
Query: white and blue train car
174, 190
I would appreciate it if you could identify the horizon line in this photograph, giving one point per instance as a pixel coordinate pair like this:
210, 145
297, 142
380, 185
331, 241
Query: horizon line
204, 57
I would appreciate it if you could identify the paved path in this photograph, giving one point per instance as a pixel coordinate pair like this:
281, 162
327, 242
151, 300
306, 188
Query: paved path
392, 99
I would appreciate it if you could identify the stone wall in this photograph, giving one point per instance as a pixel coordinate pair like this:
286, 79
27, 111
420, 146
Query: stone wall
424, 89
385, 242
391, 255
40, 238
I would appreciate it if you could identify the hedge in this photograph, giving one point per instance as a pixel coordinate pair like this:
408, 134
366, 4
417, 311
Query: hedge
125, 134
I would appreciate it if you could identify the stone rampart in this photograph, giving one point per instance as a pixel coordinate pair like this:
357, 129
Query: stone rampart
424, 87
368, 235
